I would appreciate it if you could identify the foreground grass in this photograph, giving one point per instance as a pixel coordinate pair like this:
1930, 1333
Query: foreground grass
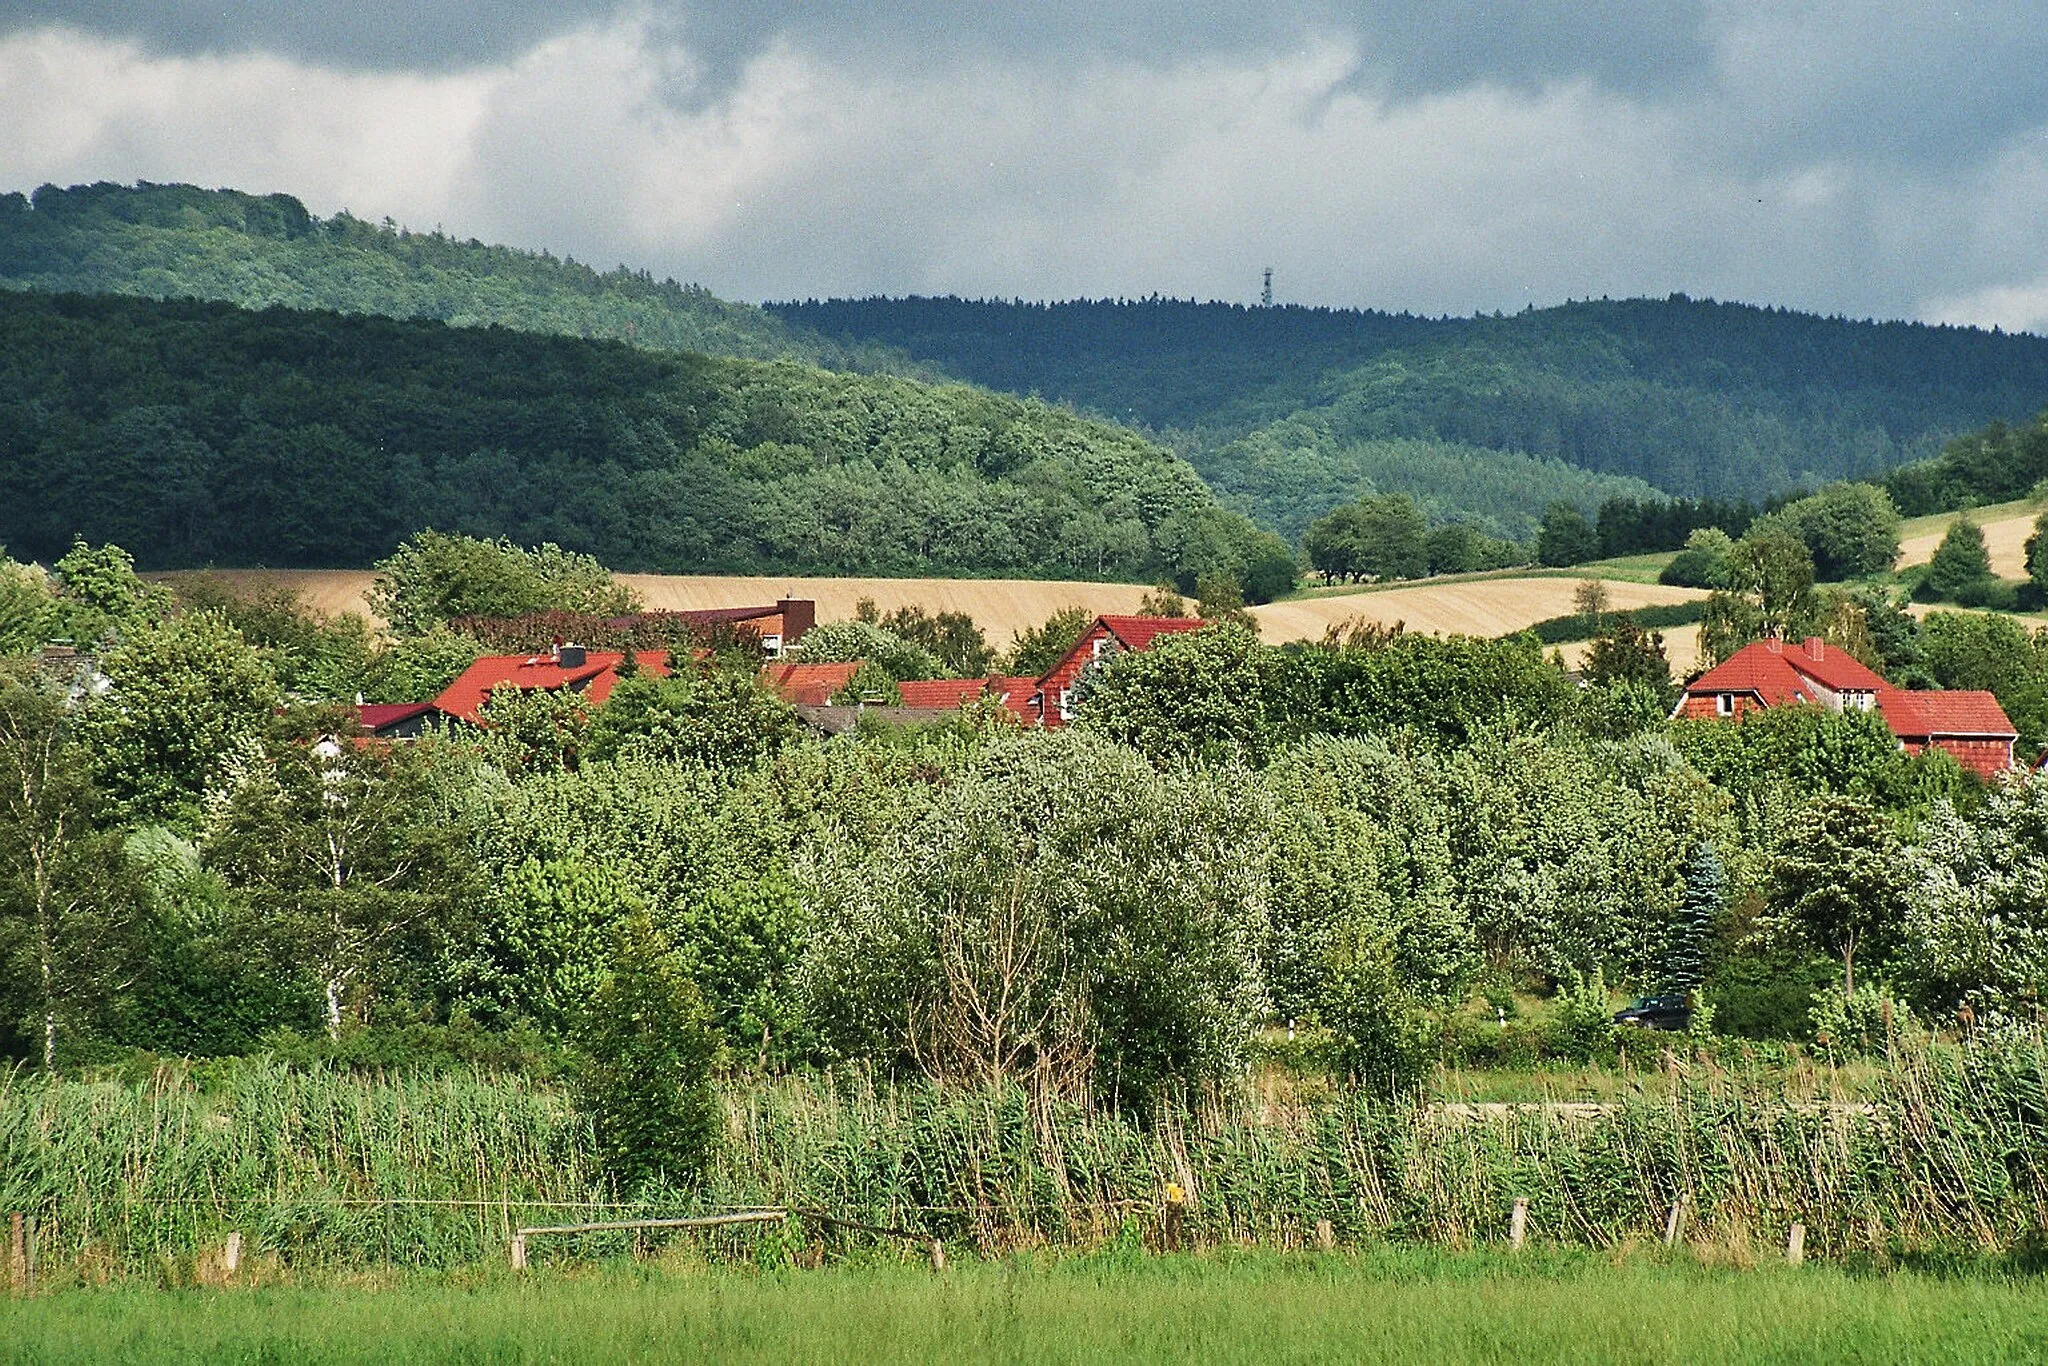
1384, 1305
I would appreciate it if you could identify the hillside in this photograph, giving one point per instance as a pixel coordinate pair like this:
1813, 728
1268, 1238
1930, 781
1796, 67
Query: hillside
196, 433
179, 241
1291, 410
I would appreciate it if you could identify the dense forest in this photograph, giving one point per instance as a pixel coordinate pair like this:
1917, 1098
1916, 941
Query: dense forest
1291, 411
202, 433
179, 241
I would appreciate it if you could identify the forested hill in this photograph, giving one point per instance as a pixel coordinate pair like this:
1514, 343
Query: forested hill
179, 241
198, 432
1290, 410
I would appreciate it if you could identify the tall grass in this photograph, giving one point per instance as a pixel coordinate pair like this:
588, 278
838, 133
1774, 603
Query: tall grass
1946, 1153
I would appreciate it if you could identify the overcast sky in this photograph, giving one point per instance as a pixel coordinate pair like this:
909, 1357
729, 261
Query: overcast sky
1876, 158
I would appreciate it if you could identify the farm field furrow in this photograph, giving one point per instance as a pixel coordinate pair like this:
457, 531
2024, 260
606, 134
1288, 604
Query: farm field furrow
1476, 607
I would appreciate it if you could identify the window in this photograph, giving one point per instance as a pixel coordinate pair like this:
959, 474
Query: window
772, 646
1066, 704
1097, 647
1724, 704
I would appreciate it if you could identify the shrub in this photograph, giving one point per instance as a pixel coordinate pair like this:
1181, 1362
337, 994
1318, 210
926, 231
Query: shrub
647, 1048
1582, 1023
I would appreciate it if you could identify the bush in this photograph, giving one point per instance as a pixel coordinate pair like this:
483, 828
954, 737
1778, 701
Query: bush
647, 1048
1582, 1023
1865, 1025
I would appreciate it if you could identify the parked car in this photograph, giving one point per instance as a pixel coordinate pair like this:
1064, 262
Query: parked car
1657, 1012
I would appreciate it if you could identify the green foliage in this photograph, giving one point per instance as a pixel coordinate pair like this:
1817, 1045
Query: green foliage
900, 660
535, 730
1851, 530
714, 717
1293, 411
310, 439
547, 943
1995, 653
1378, 537
434, 578
1699, 914
418, 668
1769, 592
179, 241
185, 697
647, 1048
99, 594
1036, 649
1976, 905
2037, 554
28, 608
1566, 537
1193, 697
1961, 562
1993, 465
1835, 883
1626, 653
1865, 1023
1703, 563
952, 637
1582, 1018
1563, 630
1444, 689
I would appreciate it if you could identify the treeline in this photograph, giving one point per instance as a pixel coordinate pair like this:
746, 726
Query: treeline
1995, 465
260, 251
1693, 397
200, 433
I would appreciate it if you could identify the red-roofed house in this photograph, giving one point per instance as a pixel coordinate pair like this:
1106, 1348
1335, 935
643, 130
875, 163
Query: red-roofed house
809, 685
1769, 673
571, 668
1048, 700
395, 720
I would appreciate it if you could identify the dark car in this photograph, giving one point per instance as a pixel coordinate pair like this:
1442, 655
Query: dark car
1657, 1012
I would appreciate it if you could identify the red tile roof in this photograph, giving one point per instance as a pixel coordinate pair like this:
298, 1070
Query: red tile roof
1948, 711
809, 685
594, 678
1137, 633
941, 692
1782, 674
375, 716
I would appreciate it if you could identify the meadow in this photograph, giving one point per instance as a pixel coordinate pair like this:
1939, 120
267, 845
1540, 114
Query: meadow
1380, 1304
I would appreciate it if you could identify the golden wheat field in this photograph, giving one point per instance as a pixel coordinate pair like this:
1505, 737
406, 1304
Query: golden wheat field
1003, 607
2004, 537
1472, 607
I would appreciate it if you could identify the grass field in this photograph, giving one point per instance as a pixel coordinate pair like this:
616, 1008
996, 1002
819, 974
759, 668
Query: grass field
1383, 1305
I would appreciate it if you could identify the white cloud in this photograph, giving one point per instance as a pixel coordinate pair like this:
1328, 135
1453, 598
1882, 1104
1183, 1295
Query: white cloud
798, 174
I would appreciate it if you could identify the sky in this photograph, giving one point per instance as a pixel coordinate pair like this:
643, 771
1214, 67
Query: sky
1868, 157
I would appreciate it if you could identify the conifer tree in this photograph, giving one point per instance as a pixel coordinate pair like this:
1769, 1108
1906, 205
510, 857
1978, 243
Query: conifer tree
1706, 891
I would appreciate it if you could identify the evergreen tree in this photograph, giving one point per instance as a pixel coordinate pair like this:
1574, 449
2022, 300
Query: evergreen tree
1706, 892
1566, 537
1960, 562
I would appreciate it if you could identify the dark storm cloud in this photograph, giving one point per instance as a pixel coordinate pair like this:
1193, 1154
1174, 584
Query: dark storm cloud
1411, 47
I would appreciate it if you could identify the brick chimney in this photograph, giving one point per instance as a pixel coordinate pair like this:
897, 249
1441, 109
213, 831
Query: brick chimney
1816, 648
798, 616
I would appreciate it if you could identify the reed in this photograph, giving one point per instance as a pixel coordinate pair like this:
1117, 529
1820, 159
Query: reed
1946, 1153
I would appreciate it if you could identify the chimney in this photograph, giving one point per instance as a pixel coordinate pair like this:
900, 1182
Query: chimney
570, 656
1816, 648
798, 616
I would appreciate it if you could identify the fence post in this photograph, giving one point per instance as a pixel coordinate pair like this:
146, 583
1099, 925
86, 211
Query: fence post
1795, 1246
17, 1262
519, 1252
1326, 1236
231, 1255
1673, 1221
29, 1263
1518, 1223
938, 1255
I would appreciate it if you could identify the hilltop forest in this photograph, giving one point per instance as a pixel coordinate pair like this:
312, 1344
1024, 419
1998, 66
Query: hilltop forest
1290, 411
199, 432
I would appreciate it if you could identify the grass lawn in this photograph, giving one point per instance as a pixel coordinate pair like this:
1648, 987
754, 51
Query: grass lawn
1385, 1305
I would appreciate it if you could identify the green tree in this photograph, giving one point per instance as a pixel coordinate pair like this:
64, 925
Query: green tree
28, 609
1769, 593
1961, 562
349, 853
1197, 696
846, 641
2037, 554
1566, 537
535, 730
58, 910
1704, 561
647, 1050
1036, 649
952, 637
1699, 910
1976, 895
1626, 652
716, 717
1851, 529
1835, 883
546, 946
435, 578
184, 697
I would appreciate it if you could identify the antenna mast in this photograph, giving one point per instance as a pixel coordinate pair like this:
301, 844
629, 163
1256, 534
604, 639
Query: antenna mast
1266, 293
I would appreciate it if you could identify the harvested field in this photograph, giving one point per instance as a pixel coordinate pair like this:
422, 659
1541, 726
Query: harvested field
1473, 607
1681, 647
2005, 536
1001, 606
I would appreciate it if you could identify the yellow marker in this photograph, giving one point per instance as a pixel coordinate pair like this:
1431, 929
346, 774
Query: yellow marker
1175, 1195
